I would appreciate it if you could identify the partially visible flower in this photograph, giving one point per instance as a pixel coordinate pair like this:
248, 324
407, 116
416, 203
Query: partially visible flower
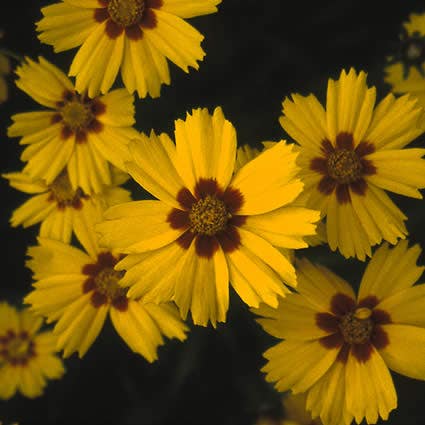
85, 135
338, 347
4, 71
350, 154
408, 60
244, 154
134, 36
78, 290
210, 225
292, 412
60, 209
27, 356
405, 72
295, 412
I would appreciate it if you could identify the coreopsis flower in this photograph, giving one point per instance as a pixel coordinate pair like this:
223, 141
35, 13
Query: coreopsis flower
85, 135
337, 347
293, 412
62, 210
77, 290
27, 355
405, 72
350, 154
134, 36
209, 224
4, 72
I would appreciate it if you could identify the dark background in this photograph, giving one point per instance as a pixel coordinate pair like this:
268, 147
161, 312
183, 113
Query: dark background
257, 53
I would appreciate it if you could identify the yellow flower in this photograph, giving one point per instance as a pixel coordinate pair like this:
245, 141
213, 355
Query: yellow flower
86, 135
136, 36
78, 290
350, 154
295, 412
27, 356
210, 225
4, 71
405, 72
62, 210
338, 347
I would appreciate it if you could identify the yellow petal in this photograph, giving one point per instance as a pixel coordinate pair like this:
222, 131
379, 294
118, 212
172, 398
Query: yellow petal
66, 26
394, 123
265, 184
176, 39
167, 318
190, 8
318, 284
253, 280
407, 306
145, 275
326, 398
294, 318
198, 288
297, 365
137, 226
284, 226
152, 166
206, 147
390, 270
54, 257
406, 350
138, 330
370, 390
400, 171
305, 121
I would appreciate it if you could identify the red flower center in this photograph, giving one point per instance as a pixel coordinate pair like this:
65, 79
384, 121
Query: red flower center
354, 327
64, 195
103, 282
16, 349
209, 216
343, 167
78, 115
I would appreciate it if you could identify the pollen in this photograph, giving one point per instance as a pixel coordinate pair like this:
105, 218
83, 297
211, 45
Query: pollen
76, 115
16, 349
357, 327
344, 166
106, 282
208, 216
126, 12
62, 192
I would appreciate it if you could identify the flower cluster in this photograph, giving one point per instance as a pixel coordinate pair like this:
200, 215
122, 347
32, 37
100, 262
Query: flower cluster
220, 214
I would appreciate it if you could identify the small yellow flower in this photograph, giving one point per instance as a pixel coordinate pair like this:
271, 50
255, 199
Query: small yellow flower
78, 290
338, 348
61, 210
85, 135
4, 71
405, 72
27, 356
350, 154
210, 225
134, 36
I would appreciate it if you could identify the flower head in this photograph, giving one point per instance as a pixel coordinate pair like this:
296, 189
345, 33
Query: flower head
134, 36
78, 290
210, 225
338, 347
86, 135
27, 356
60, 209
405, 72
350, 154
